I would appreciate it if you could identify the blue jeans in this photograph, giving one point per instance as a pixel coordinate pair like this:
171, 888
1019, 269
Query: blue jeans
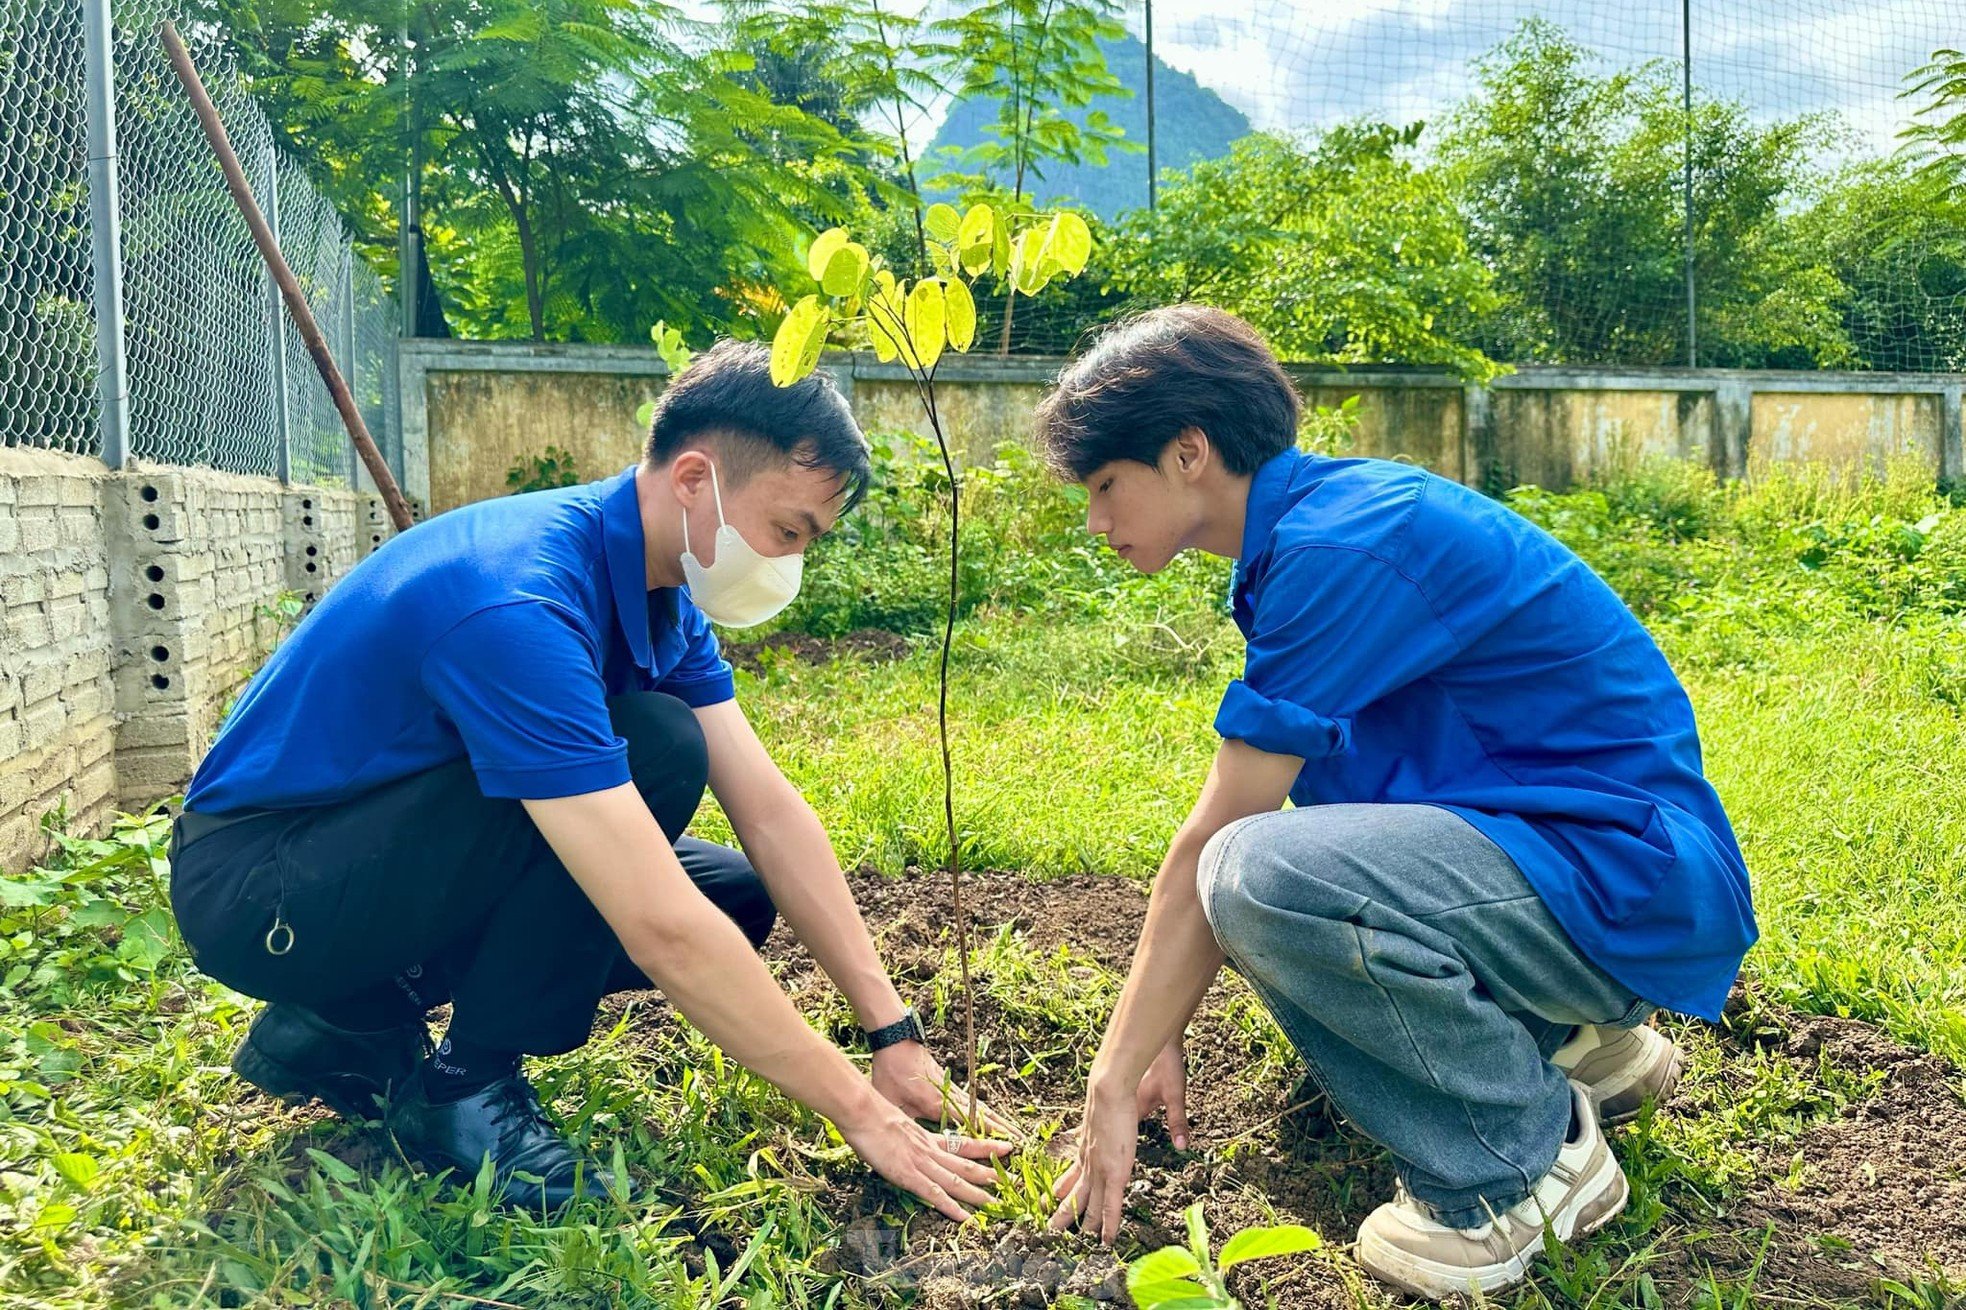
1422, 980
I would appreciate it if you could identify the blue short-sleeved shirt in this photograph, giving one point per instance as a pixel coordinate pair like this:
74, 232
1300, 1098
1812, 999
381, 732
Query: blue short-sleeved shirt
1417, 642
495, 632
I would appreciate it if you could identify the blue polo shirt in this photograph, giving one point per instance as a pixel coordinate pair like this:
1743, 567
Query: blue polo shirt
495, 632
1416, 642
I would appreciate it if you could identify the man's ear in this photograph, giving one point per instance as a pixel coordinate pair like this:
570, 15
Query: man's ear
689, 475
1190, 452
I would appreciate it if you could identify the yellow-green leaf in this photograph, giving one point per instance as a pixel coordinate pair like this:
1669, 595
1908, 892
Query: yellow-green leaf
976, 240
1164, 1265
845, 270
1027, 266
959, 307
926, 320
1000, 250
1262, 1243
824, 246
941, 222
884, 316
1069, 242
796, 345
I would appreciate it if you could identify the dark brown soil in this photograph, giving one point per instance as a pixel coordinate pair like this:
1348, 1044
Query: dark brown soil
1881, 1190
872, 644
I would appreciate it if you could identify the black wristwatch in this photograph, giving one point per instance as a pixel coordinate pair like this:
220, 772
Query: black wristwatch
908, 1028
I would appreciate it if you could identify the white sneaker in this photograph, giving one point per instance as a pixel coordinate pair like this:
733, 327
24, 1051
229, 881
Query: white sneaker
1623, 1068
1402, 1244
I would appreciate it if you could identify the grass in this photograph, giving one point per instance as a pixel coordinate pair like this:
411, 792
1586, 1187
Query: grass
1825, 650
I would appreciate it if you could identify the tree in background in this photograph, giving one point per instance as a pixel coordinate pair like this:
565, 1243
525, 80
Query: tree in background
590, 165
1034, 59
1337, 246
1937, 135
1570, 181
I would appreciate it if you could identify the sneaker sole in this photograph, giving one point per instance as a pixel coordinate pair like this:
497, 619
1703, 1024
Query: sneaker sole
1430, 1280
350, 1097
1627, 1105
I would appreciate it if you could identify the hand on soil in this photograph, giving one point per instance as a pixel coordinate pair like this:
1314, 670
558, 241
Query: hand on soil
908, 1076
1166, 1088
1092, 1193
941, 1170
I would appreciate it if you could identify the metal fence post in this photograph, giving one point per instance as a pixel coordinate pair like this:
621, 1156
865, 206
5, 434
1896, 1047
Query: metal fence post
276, 322
105, 223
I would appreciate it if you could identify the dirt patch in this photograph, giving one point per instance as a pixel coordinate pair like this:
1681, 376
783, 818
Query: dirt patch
1880, 1190
871, 644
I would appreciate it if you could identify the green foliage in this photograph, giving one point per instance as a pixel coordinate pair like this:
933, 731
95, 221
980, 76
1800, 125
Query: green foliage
1036, 61
1937, 133
1185, 1278
588, 165
1570, 180
1337, 245
552, 467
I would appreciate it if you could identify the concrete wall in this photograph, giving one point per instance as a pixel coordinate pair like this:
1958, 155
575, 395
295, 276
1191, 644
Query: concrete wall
133, 606
473, 408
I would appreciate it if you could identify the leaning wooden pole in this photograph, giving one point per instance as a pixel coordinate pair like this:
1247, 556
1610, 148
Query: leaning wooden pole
269, 250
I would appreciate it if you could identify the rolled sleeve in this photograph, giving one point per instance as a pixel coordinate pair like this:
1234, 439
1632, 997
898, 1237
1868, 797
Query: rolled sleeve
521, 683
1278, 726
1332, 629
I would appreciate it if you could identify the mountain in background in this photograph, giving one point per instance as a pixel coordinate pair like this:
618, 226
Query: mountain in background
1191, 122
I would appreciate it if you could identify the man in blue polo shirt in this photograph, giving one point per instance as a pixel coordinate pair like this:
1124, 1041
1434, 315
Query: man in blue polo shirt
466, 775
1503, 855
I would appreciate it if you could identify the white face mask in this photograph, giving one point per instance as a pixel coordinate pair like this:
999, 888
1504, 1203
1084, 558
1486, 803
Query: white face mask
743, 588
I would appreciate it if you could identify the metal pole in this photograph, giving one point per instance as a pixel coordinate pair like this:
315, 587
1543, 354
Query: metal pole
105, 225
409, 260
276, 325
1153, 183
1686, 67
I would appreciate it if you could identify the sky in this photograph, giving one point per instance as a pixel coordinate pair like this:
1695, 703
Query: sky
1304, 63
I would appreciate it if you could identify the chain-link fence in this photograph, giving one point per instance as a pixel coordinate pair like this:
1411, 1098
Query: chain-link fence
217, 372
1655, 182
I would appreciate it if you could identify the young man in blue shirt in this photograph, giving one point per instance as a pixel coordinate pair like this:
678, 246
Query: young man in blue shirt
1503, 854
466, 775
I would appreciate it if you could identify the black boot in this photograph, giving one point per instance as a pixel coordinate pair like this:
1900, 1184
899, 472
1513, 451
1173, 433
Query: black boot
504, 1121
296, 1055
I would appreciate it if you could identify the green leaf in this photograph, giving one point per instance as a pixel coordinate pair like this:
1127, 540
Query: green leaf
1175, 1294
339, 1170
1069, 242
976, 240
926, 319
824, 246
845, 271
645, 414
796, 345
959, 307
1262, 1243
77, 1168
942, 222
1166, 1264
1197, 1231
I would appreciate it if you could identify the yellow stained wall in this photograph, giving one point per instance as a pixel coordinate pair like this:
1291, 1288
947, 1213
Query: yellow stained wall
481, 422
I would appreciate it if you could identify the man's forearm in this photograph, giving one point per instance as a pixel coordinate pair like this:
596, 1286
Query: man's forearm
1176, 961
707, 969
795, 858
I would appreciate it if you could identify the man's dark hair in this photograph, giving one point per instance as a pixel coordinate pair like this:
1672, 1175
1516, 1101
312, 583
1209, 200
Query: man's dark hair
727, 395
1149, 376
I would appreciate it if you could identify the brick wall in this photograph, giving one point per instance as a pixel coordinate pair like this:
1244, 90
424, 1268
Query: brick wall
133, 606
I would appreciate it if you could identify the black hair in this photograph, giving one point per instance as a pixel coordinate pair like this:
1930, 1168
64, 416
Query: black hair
727, 395
1148, 377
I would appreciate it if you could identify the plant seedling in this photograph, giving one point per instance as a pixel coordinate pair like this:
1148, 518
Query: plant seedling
1185, 1278
915, 324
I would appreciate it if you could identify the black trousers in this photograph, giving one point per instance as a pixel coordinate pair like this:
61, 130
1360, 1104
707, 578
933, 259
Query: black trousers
425, 891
